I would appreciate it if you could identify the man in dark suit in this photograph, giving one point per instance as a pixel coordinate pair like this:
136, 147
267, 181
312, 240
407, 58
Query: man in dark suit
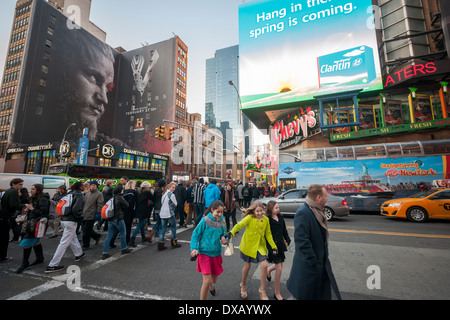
311, 275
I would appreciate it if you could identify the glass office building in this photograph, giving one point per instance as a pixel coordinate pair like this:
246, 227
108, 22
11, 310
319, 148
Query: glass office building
222, 107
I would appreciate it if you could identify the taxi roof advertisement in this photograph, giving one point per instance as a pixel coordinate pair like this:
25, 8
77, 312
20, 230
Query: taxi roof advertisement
292, 51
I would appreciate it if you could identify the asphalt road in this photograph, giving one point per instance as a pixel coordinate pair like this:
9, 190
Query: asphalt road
401, 260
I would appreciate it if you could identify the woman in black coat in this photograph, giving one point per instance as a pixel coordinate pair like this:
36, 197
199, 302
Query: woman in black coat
37, 209
143, 198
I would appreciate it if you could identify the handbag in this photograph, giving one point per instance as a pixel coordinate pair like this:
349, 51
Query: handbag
41, 227
21, 218
229, 250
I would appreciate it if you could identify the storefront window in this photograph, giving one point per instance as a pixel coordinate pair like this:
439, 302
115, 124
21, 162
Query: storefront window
126, 161
142, 163
104, 162
33, 159
48, 158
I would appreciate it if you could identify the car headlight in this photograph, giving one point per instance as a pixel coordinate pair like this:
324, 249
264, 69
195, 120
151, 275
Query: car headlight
397, 204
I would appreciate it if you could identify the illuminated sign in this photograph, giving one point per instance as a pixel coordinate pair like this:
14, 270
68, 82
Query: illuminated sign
294, 128
409, 72
294, 51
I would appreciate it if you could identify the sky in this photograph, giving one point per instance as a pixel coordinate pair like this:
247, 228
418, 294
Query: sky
204, 26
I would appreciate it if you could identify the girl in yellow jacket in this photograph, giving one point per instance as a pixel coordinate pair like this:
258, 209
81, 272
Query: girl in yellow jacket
253, 245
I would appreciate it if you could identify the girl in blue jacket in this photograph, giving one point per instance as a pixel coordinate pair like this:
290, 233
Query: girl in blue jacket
206, 245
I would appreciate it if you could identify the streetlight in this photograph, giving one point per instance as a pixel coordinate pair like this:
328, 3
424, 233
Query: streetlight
64, 139
241, 118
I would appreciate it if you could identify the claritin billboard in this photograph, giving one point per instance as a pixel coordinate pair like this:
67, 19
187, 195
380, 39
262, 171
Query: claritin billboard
294, 51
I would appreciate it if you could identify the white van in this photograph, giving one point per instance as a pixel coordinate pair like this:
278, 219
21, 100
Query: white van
50, 183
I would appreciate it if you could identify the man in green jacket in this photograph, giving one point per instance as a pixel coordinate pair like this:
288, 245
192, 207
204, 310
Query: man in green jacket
10, 204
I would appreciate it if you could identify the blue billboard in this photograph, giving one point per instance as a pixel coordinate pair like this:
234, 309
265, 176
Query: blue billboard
285, 47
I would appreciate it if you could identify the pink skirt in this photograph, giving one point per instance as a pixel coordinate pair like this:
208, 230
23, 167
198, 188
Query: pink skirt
209, 265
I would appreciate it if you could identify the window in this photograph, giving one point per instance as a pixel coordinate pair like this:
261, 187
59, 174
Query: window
51, 31
291, 195
104, 162
48, 43
442, 195
44, 68
126, 161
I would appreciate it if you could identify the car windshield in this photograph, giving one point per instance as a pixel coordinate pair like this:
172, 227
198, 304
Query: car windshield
423, 194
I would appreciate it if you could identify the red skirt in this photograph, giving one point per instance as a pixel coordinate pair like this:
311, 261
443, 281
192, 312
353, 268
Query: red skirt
209, 265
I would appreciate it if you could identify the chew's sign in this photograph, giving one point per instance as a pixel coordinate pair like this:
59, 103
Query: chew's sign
294, 127
416, 71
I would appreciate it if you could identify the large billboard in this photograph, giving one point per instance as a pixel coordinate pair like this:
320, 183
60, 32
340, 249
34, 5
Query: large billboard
368, 175
71, 77
294, 51
145, 95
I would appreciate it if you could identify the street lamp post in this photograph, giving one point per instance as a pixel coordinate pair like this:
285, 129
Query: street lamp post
241, 118
64, 139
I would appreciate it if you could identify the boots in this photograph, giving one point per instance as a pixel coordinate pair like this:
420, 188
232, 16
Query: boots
161, 246
25, 263
39, 255
175, 244
150, 236
145, 239
131, 243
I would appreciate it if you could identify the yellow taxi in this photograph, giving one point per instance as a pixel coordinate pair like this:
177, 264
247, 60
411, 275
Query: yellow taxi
420, 207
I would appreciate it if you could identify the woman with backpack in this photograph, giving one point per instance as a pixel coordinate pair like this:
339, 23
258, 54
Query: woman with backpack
37, 209
167, 215
116, 224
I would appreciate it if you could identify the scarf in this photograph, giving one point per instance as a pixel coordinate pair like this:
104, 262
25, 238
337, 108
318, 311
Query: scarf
318, 213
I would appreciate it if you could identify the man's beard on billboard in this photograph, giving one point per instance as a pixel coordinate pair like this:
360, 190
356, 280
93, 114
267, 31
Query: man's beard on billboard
73, 109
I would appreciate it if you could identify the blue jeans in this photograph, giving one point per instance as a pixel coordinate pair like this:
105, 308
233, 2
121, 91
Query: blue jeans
173, 225
140, 226
200, 209
114, 227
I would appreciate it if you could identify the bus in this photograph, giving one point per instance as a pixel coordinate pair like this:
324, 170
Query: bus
50, 183
368, 175
86, 173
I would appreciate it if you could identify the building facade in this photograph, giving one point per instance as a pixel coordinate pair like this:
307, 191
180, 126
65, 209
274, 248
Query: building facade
379, 93
63, 82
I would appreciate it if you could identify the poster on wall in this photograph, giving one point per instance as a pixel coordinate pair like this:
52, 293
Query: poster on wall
422, 108
367, 117
344, 117
275, 68
393, 113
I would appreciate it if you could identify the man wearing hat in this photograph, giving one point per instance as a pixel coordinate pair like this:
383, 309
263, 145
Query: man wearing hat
93, 203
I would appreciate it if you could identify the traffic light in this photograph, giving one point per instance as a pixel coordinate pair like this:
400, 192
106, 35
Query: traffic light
171, 130
158, 132
163, 133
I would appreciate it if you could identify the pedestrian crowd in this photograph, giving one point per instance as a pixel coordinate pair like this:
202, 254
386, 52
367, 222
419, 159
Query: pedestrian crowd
211, 208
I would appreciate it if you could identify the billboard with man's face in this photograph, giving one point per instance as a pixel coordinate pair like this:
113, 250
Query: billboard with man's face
72, 77
69, 76
294, 51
